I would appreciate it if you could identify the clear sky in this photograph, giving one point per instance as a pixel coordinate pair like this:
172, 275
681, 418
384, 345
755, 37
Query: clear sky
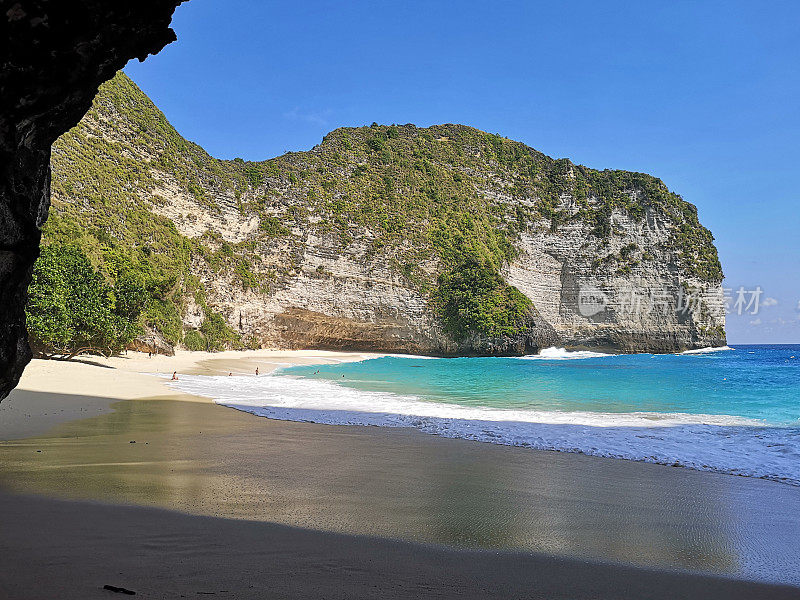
703, 95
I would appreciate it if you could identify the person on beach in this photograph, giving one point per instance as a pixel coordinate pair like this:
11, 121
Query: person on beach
174, 376
256, 370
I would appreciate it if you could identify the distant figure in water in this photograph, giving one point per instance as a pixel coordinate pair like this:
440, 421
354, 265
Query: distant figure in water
174, 376
256, 370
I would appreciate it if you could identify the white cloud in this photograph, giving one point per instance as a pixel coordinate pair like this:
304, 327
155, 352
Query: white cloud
769, 302
781, 321
318, 117
756, 322
798, 305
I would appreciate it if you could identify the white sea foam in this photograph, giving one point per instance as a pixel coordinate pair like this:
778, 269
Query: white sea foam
563, 354
412, 356
722, 443
707, 350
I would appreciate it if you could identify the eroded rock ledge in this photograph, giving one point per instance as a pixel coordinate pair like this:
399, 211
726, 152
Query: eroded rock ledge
54, 55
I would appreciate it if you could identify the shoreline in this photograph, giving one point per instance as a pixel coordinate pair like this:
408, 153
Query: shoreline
207, 461
101, 381
687, 439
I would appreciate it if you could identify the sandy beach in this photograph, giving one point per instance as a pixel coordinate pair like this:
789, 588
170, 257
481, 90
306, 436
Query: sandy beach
109, 476
47, 393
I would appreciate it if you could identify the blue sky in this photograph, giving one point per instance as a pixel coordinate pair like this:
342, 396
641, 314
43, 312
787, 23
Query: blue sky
700, 94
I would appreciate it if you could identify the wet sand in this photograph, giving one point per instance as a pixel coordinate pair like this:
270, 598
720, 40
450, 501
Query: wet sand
66, 550
575, 518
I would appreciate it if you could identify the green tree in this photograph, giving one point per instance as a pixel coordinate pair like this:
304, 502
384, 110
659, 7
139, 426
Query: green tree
71, 308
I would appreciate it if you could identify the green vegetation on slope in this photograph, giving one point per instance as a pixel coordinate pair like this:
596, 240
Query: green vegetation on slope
417, 199
440, 191
474, 299
73, 309
97, 190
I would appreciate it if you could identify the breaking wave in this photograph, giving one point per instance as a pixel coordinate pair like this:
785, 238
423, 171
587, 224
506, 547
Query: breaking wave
563, 354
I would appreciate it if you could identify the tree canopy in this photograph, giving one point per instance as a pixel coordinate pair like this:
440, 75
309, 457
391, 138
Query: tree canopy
473, 298
72, 308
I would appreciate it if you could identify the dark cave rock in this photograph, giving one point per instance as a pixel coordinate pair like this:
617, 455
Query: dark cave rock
54, 55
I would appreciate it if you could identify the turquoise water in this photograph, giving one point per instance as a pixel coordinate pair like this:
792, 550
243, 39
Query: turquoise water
733, 411
755, 382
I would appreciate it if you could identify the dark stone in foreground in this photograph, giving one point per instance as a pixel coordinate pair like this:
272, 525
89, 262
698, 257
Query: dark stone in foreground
119, 590
53, 56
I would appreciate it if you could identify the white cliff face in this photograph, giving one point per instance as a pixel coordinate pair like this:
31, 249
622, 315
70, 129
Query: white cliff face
330, 299
625, 294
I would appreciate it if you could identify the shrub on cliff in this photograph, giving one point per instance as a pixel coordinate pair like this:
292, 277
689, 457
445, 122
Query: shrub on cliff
193, 340
72, 309
214, 335
473, 298
217, 334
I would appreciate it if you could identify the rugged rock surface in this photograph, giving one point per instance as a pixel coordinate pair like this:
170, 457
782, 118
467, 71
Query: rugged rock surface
53, 57
154, 342
648, 304
343, 246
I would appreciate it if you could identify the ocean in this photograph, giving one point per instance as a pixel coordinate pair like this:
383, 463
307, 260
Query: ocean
733, 410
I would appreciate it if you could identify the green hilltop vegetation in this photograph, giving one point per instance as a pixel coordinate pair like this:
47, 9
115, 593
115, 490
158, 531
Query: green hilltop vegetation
444, 206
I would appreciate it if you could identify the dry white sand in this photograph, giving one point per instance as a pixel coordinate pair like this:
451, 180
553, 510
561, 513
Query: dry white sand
52, 392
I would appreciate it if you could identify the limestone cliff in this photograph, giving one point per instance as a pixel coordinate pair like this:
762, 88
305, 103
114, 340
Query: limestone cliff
350, 244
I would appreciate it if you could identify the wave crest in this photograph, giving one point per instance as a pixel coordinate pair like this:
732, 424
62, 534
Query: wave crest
554, 353
707, 350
